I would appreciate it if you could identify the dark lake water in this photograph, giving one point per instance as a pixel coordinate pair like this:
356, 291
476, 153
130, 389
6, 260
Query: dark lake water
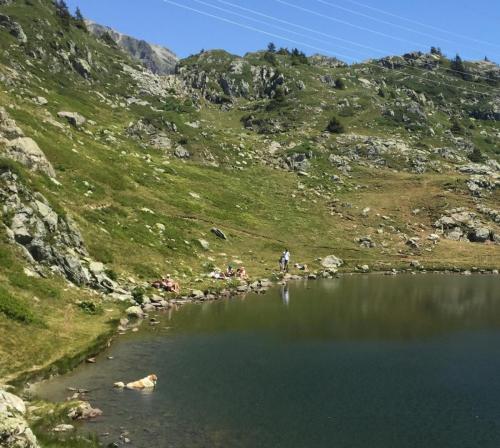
357, 362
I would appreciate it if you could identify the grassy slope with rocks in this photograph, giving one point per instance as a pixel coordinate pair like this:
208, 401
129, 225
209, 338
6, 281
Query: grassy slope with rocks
255, 161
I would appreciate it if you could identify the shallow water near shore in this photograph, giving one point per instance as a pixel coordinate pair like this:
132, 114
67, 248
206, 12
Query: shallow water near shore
359, 361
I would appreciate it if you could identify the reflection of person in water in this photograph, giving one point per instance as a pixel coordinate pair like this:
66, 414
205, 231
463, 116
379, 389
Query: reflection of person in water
285, 295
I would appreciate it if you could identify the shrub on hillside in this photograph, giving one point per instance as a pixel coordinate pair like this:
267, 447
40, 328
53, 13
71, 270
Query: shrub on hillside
340, 84
138, 295
476, 156
14, 309
335, 126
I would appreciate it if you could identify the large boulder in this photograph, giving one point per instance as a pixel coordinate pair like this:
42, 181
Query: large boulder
82, 67
27, 152
135, 311
14, 430
13, 28
182, 153
73, 118
331, 262
480, 235
8, 126
11, 403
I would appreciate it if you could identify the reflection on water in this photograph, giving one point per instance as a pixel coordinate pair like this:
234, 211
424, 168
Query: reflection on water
285, 294
362, 361
359, 307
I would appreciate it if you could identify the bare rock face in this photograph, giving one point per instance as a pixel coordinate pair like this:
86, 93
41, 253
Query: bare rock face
26, 151
15, 146
14, 430
51, 242
13, 28
462, 224
8, 126
157, 59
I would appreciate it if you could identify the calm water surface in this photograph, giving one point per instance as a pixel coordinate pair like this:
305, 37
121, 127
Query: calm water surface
361, 362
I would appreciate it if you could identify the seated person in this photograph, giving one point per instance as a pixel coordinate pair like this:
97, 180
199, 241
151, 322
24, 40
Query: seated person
241, 273
167, 284
230, 272
217, 275
172, 286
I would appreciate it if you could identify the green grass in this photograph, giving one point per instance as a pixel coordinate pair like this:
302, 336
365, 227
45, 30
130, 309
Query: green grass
15, 309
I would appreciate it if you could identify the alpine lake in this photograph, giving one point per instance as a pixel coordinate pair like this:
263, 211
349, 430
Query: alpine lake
362, 361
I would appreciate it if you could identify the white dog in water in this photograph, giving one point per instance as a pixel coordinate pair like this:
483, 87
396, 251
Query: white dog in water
146, 383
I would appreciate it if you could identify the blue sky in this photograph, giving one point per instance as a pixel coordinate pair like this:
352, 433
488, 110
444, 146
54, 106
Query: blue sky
362, 29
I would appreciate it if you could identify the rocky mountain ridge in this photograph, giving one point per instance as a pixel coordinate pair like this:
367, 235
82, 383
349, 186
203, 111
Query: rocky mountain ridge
158, 59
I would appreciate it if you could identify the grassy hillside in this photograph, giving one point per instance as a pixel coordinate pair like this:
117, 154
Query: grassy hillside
248, 125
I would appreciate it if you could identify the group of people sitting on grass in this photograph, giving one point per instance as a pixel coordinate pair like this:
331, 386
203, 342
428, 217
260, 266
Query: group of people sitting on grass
169, 285
240, 273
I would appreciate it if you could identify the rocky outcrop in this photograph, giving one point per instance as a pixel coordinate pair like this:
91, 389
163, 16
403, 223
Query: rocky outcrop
50, 241
326, 61
157, 59
14, 430
414, 59
220, 77
460, 224
484, 178
13, 28
27, 152
14, 145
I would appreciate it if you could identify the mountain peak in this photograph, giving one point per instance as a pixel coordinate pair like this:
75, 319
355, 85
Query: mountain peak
158, 59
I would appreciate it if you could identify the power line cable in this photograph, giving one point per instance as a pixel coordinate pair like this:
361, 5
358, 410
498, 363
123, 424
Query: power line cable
310, 30
386, 22
416, 22
347, 23
258, 30
252, 11
265, 23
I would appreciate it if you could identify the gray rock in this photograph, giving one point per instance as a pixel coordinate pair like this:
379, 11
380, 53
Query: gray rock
197, 294
366, 241
331, 262
11, 403
135, 311
161, 142
27, 152
204, 244
364, 268
156, 58
82, 67
73, 118
40, 101
218, 233
480, 235
14, 430
13, 28
8, 126
84, 411
148, 308
182, 153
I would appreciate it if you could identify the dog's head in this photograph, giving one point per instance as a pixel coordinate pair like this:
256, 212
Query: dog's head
153, 378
